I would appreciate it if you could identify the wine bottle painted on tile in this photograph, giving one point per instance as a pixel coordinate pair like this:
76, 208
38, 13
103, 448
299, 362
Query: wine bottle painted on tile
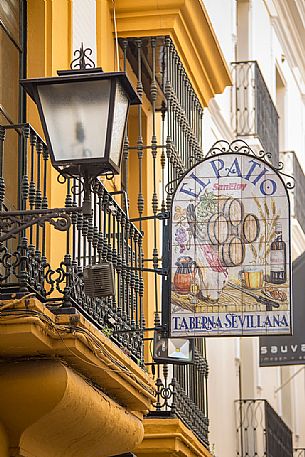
278, 274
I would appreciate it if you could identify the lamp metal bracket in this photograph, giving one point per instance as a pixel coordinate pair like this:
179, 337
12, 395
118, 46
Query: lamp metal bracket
14, 222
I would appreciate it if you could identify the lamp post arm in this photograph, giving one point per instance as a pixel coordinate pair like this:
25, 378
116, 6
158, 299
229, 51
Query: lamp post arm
14, 222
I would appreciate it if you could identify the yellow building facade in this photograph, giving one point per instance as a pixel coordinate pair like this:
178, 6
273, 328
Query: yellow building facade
77, 377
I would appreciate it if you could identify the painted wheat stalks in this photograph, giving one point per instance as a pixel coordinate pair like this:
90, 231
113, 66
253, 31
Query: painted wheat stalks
261, 242
269, 217
273, 207
260, 209
266, 210
271, 228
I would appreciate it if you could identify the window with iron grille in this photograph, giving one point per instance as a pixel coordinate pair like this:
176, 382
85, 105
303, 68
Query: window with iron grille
254, 113
260, 431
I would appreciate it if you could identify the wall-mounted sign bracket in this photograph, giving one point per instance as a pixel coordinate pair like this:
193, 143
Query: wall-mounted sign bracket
158, 271
160, 216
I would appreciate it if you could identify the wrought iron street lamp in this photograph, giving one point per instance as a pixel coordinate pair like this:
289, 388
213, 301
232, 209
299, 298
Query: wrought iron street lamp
83, 115
83, 112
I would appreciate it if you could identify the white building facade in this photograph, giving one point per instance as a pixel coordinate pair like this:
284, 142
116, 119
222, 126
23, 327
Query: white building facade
264, 43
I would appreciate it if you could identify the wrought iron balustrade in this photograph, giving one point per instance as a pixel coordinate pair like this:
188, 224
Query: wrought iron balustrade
293, 167
254, 113
161, 77
164, 81
182, 393
260, 431
175, 143
107, 235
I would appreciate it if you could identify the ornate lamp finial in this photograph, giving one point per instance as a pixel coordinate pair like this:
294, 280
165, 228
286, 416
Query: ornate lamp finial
81, 55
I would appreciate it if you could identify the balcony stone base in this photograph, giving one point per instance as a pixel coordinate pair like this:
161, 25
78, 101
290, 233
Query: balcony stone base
169, 438
65, 388
29, 330
48, 410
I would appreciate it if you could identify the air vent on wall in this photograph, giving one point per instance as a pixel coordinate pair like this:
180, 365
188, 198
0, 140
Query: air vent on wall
99, 280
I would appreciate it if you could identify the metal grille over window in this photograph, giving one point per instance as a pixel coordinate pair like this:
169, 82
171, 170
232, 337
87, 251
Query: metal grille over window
255, 114
163, 80
260, 431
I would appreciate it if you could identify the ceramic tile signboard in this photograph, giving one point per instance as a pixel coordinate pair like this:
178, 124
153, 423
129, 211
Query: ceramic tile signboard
230, 255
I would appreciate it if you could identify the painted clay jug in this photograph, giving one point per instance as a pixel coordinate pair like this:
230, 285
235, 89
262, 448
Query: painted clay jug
184, 274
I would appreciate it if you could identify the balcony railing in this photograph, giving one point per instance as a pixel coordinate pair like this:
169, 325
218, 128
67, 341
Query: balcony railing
106, 235
260, 431
182, 393
254, 113
174, 146
292, 166
164, 81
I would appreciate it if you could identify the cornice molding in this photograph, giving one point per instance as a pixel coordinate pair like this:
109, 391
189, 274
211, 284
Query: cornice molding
188, 24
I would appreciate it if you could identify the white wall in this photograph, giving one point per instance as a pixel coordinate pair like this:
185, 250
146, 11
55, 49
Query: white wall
84, 25
222, 391
265, 44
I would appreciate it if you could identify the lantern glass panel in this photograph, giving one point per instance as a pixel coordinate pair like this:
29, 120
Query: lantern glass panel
76, 115
119, 120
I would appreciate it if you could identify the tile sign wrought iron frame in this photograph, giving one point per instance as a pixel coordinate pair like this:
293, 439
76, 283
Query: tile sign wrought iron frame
259, 301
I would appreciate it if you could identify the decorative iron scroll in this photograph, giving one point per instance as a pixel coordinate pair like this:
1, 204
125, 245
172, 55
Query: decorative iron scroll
81, 55
12, 223
184, 395
240, 146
